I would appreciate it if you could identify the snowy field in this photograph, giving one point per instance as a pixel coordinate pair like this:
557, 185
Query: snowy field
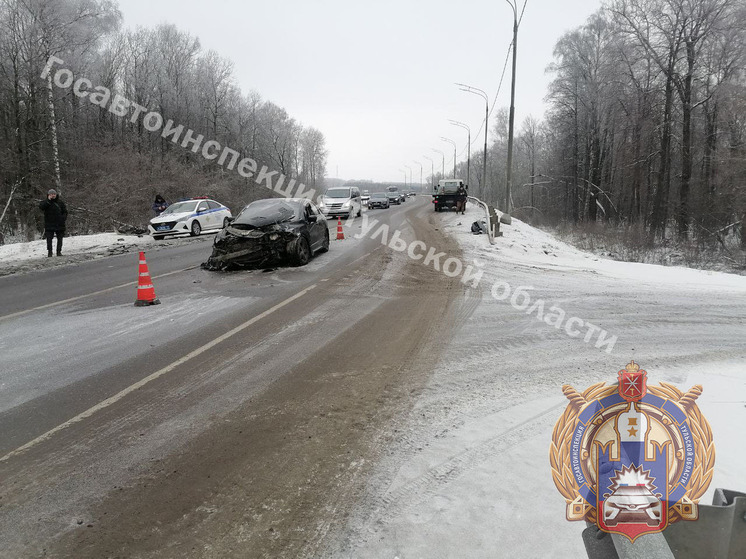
468, 474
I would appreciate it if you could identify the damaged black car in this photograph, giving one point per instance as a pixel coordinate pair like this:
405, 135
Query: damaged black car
268, 232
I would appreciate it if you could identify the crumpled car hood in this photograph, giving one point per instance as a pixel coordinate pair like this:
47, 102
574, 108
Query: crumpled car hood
237, 247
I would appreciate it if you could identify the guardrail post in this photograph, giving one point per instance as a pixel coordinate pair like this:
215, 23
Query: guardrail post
494, 222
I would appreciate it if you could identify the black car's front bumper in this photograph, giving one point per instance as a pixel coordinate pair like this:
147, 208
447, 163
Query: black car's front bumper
250, 249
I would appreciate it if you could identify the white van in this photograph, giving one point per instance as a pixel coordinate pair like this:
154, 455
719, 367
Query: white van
341, 201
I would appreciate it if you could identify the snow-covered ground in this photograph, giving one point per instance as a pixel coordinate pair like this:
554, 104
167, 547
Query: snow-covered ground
26, 257
523, 244
102, 243
468, 475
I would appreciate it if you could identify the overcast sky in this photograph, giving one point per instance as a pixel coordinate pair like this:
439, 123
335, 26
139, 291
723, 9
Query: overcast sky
377, 78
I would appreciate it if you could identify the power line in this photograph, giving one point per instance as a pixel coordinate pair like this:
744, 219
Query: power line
494, 101
499, 86
520, 19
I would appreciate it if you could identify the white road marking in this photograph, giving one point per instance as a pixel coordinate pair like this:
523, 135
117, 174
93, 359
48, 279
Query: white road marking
139, 384
72, 299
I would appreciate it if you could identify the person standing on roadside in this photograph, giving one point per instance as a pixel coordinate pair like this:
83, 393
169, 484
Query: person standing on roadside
461, 199
159, 205
55, 216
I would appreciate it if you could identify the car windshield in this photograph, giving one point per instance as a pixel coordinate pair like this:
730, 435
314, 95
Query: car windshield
338, 193
378, 195
180, 207
267, 212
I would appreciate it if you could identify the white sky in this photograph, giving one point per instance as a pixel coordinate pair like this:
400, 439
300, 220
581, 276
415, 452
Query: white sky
377, 78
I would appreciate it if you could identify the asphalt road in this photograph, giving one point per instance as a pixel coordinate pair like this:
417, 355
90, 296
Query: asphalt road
237, 418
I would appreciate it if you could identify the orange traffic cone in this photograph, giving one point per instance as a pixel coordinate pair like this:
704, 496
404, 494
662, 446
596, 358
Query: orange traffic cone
145, 289
340, 231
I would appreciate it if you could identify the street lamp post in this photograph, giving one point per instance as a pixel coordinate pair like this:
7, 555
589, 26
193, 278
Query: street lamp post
454, 153
405, 177
483, 95
420, 164
410, 175
443, 170
432, 170
468, 157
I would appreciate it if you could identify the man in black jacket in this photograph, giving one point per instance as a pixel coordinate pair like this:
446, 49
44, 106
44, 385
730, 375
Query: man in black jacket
461, 195
55, 216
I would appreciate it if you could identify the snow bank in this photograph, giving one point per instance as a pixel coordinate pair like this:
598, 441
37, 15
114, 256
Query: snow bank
527, 246
102, 243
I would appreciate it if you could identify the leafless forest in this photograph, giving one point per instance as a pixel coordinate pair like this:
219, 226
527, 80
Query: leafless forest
645, 138
646, 135
108, 168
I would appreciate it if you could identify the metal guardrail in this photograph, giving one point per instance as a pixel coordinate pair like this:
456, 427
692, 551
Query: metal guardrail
719, 533
486, 208
494, 218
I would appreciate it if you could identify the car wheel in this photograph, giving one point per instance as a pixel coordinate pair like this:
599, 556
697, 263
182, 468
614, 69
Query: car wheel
226, 222
325, 245
302, 253
196, 229
359, 212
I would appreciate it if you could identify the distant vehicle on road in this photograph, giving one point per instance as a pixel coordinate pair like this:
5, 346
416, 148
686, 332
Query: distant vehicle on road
394, 197
342, 201
365, 198
445, 196
395, 189
276, 230
379, 200
190, 216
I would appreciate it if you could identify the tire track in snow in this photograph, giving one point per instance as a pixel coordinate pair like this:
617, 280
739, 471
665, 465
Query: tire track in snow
395, 503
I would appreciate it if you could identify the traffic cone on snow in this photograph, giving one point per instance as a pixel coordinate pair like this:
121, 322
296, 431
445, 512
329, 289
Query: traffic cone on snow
340, 231
145, 289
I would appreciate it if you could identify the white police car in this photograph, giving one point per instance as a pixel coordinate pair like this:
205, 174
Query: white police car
190, 216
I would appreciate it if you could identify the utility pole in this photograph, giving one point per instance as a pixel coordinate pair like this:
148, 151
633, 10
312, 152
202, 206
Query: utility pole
483, 95
509, 180
468, 157
454, 153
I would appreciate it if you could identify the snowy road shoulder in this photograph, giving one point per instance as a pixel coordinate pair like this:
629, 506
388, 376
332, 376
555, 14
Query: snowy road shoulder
101, 243
468, 473
524, 245
26, 257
